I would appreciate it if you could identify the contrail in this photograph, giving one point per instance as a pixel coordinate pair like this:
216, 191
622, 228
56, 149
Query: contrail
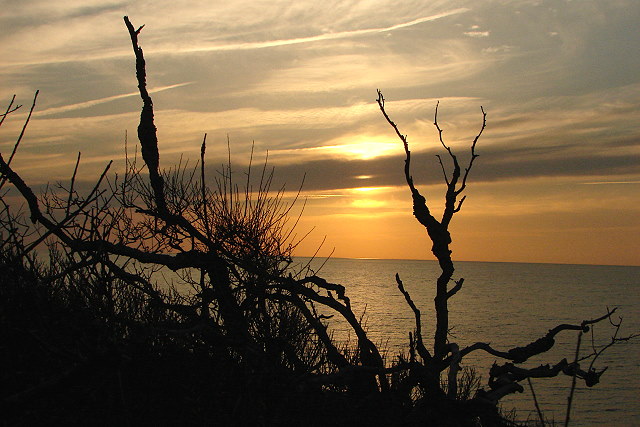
321, 37
87, 104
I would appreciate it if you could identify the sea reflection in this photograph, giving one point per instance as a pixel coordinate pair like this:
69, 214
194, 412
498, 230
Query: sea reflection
508, 305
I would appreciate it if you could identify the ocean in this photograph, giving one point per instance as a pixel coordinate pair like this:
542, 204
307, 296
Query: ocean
508, 305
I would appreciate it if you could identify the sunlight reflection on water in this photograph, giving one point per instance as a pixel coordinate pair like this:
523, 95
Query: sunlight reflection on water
511, 304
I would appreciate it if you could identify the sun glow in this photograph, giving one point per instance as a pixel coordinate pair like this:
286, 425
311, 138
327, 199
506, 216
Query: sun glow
351, 147
364, 150
368, 197
368, 203
369, 189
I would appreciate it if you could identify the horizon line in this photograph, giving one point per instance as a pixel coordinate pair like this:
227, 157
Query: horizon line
460, 260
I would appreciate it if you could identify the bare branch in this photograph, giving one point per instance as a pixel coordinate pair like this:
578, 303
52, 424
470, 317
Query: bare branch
9, 109
420, 209
22, 131
535, 402
473, 153
456, 288
444, 172
73, 180
440, 131
573, 381
541, 345
422, 350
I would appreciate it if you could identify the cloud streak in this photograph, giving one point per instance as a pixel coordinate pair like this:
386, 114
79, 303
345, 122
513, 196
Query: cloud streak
497, 164
94, 102
320, 37
86, 56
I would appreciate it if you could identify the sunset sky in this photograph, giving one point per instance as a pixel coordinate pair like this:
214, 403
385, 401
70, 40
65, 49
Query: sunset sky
558, 177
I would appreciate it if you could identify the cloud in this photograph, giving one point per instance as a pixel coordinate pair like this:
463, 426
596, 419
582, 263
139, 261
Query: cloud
505, 48
496, 164
320, 37
610, 182
93, 102
172, 49
476, 34
357, 147
335, 72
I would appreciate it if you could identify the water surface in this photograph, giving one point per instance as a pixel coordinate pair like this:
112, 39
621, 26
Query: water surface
507, 305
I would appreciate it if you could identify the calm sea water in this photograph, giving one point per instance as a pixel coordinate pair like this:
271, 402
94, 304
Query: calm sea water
507, 305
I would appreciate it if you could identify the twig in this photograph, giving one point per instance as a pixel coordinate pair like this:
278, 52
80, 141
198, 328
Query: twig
422, 351
573, 381
535, 402
71, 185
24, 128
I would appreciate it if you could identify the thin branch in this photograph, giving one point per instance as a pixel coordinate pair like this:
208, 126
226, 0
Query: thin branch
420, 208
573, 381
422, 350
535, 402
444, 172
440, 131
92, 197
203, 188
71, 185
541, 345
473, 153
9, 110
22, 131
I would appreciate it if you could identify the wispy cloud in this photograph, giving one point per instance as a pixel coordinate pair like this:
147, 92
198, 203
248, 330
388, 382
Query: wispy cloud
610, 182
320, 37
384, 70
108, 53
477, 34
505, 48
93, 102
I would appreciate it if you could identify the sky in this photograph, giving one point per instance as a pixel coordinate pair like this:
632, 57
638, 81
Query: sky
558, 177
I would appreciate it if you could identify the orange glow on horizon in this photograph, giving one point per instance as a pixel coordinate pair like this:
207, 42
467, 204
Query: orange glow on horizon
501, 222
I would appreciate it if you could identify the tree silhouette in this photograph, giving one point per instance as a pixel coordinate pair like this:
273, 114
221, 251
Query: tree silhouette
253, 330
447, 355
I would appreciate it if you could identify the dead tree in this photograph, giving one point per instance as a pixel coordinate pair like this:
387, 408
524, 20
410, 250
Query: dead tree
438, 231
447, 355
